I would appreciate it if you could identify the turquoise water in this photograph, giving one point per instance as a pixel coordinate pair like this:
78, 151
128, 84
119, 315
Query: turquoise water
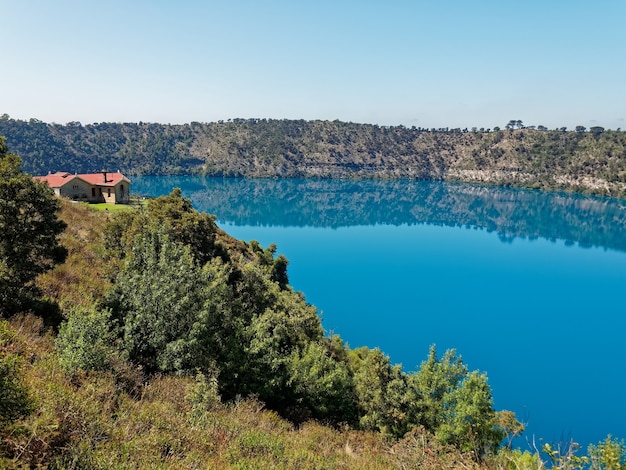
526, 285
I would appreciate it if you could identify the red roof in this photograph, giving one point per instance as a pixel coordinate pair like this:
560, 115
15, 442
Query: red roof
56, 180
61, 178
97, 179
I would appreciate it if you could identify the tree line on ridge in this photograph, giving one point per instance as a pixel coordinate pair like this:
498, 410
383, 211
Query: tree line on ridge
591, 161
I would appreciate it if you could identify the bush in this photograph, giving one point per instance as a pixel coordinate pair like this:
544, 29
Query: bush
14, 398
85, 341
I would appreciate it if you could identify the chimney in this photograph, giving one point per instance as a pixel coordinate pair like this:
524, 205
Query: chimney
104, 174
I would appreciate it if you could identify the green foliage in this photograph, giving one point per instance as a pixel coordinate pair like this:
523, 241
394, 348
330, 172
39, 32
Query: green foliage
609, 454
322, 385
277, 266
28, 233
174, 215
182, 305
279, 271
385, 398
287, 325
516, 459
457, 404
563, 456
523, 156
469, 418
434, 381
85, 341
157, 301
184, 224
15, 401
204, 396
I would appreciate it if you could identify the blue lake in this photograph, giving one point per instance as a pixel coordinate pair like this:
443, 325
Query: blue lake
527, 286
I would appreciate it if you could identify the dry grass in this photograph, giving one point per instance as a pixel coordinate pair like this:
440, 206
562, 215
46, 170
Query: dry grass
88, 421
93, 421
82, 278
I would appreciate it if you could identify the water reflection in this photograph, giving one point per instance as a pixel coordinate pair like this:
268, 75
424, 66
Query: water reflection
575, 219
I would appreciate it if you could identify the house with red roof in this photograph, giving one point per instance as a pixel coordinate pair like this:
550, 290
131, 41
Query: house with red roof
113, 188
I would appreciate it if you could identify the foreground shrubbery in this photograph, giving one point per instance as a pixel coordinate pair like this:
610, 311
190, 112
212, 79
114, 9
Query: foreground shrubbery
122, 418
183, 347
186, 297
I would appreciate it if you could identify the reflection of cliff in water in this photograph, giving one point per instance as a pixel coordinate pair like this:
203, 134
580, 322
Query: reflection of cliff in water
588, 221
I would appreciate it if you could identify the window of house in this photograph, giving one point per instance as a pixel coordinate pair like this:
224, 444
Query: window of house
93, 192
109, 192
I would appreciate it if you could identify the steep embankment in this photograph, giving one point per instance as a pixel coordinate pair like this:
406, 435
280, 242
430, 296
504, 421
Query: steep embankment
235, 341
591, 162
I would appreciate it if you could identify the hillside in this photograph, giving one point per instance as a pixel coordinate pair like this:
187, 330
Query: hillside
160, 341
591, 161
87, 394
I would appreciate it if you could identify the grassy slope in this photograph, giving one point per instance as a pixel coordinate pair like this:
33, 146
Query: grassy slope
123, 419
91, 421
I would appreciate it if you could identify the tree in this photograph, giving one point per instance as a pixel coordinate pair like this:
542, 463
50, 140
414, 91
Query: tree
279, 271
385, 399
456, 404
286, 324
435, 378
510, 426
514, 124
29, 229
596, 130
157, 301
173, 214
321, 384
469, 420
581, 129
184, 224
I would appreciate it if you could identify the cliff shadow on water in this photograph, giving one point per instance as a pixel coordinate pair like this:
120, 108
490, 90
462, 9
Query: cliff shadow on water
511, 213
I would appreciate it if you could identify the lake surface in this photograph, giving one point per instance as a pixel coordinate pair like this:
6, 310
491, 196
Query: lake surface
527, 286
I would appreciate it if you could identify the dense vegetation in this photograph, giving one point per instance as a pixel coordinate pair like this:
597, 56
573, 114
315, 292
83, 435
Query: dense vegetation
593, 161
28, 233
179, 346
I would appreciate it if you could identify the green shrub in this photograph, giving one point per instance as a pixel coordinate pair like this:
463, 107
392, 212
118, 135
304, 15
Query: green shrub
15, 401
85, 341
609, 454
204, 396
14, 398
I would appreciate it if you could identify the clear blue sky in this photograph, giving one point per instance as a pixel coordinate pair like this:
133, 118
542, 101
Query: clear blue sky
436, 63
